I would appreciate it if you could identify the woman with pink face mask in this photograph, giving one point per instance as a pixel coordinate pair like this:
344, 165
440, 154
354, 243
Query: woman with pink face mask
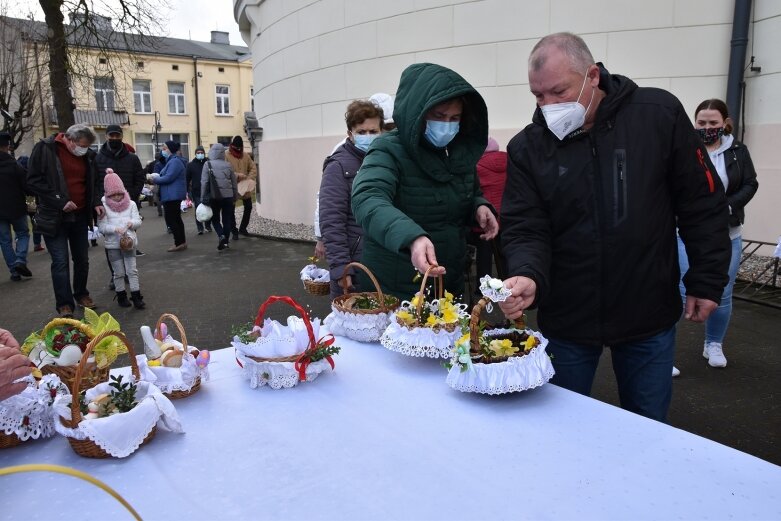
739, 179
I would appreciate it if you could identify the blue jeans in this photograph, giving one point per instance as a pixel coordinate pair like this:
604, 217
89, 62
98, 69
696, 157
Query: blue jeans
718, 321
14, 255
643, 371
71, 238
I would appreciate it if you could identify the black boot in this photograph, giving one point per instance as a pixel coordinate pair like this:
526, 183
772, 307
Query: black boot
122, 299
138, 299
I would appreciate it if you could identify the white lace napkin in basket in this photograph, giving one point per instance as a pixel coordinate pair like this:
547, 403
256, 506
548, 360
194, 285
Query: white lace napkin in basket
366, 327
315, 274
419, 341
169, 379
28, 414
121, 434
518, 373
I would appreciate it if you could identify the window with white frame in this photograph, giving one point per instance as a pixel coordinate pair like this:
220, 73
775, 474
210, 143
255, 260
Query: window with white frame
142, 96
223, 93
104, 94
145, 147
176, 98
182, 139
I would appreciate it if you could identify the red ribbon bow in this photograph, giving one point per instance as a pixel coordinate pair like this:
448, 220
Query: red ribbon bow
304, 360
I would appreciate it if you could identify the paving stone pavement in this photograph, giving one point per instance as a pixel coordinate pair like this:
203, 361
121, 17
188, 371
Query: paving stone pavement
210, 291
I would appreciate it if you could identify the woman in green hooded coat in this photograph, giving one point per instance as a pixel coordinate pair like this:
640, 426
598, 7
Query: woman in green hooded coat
417, 191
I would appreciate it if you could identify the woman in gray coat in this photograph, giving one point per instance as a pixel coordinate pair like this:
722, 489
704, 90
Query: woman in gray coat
219, 190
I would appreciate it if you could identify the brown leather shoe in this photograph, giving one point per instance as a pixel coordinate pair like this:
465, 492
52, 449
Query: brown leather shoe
65, 311
85, 302
181, 247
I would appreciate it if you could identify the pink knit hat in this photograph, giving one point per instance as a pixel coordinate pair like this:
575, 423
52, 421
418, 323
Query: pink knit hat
112, 184
492, 146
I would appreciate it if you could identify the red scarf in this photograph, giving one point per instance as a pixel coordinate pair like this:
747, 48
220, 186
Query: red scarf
236, 152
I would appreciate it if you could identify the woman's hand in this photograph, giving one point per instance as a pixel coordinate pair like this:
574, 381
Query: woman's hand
424, 256
320, 249
13, 365
487, 222
8, 340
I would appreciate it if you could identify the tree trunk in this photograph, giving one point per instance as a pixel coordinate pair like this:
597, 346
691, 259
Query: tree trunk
58, 63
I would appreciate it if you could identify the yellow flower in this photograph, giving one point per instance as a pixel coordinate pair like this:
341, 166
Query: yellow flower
431, 320
405, 316
449, 315
415, 300
503, 347
530, 343
464, 340
448, 296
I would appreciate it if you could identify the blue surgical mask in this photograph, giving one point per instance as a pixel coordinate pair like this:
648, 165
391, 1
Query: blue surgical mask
166, 154
199, 156
362, 141
441, 133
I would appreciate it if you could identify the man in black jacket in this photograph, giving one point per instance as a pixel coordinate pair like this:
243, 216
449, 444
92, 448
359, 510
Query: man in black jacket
61, 173
596, 186
13, 212
194, 170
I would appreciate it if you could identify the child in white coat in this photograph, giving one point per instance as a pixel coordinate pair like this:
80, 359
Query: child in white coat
118, 227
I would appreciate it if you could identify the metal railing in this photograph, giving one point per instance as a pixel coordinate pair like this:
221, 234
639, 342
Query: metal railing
762, 286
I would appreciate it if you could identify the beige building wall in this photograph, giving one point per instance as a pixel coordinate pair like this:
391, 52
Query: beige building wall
312, 57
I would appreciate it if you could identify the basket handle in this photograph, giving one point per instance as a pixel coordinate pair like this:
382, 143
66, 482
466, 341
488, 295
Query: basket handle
439, 288
474, 324
366, 270
75, 409
289, 301
178, 325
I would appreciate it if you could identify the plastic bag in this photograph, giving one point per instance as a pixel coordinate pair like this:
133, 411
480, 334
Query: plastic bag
203, 213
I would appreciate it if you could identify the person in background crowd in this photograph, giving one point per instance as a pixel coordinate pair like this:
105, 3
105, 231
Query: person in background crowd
155, 167
739, 179
595, 185
492, 173
244, 168
341, 234
121, 219
417, 189
194, 171
13, 366
62, 174
172, 180
218, 176
31, 206
13, 212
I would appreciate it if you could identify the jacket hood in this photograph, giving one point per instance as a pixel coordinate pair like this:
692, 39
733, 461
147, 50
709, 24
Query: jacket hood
217, 151
424, 85
105, 150
494, 161
617, 89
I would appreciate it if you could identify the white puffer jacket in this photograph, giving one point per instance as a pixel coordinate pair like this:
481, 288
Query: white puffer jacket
112, 220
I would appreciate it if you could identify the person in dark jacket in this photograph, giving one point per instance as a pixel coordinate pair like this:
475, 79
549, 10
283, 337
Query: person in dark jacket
736, 172
417, 190
62, 174
31, 206
13, 212
172, 181
594, 188
194, 171
340, 233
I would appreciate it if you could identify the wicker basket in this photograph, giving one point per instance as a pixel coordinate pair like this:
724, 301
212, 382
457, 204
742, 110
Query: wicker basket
318, 289
175, 395
340, 302
88, 448
91, 376
307, 323
474, 333
9, 440
439, 289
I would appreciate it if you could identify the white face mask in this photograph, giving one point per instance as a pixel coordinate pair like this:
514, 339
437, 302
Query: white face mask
79, 151
564, 118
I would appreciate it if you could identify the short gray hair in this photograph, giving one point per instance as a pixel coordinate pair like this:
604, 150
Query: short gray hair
80, 131
571, 45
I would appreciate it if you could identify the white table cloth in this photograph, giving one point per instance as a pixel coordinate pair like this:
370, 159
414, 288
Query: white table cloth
383, 437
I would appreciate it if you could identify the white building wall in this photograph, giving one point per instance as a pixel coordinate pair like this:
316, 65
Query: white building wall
311, 58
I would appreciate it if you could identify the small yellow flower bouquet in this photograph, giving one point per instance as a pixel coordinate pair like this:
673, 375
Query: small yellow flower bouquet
426, 328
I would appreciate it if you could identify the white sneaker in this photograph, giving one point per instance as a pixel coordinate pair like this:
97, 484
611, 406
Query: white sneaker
714, 354
676, 372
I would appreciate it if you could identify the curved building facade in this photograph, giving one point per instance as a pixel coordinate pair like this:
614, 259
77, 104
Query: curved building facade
312, 57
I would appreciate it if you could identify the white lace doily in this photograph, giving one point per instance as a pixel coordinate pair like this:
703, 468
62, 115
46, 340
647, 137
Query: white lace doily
121, 434
28, 414
360, 327
518, 373
419, 341
169, 379
278, 375
494, 289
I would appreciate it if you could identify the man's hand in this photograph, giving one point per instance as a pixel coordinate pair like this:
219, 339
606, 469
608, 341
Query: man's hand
487, 222
320, 249
698, 309
8, 340
70, 206
346, 282
100, 211
13, 365
240, 176
523, 291
423, 256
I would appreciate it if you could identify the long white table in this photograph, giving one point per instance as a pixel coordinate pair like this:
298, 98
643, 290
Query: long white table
383, 437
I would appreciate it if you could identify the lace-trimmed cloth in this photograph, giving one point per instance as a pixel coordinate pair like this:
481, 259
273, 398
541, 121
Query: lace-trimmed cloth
419, 341
518, 373
28, 414
121, 434
277, 375
363, 328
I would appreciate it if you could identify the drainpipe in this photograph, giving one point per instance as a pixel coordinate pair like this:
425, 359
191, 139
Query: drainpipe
197, 103
737, 59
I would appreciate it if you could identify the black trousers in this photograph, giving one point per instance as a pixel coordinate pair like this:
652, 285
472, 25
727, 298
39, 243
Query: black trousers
173, 219
244, 218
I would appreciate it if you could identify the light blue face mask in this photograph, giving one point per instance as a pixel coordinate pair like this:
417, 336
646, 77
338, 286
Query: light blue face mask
362, 141
199, 156
165, 153
440, 133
